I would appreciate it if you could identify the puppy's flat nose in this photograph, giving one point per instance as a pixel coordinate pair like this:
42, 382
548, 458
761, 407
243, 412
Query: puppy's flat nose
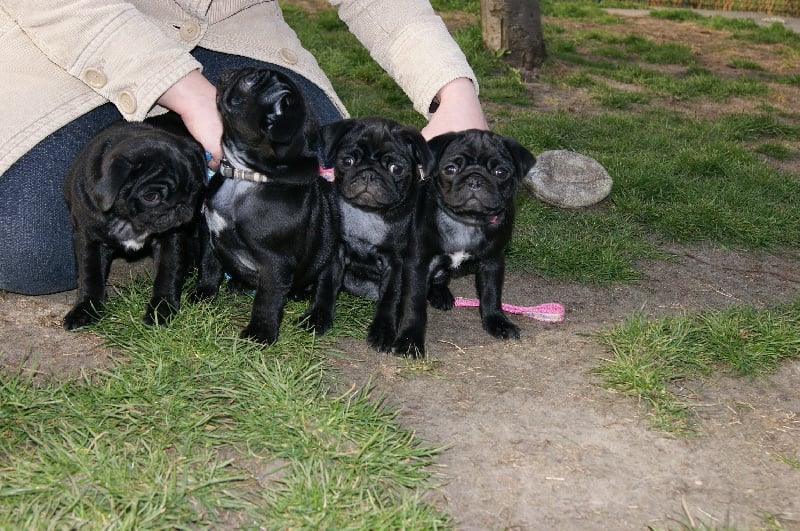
474, 183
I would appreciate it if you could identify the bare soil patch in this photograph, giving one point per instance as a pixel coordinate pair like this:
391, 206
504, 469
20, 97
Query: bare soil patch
533, 442
536, 443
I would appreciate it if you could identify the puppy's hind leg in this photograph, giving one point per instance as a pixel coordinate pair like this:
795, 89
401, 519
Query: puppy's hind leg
439, 294
92, 259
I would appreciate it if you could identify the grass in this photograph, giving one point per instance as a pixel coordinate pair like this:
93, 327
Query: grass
777, 7
659, 361
741, 28
684, 180
636, 60
194, 428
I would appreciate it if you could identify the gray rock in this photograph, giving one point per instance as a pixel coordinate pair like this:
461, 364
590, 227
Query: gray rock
568, 180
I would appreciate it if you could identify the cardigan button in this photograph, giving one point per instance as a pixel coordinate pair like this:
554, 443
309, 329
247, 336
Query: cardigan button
94, 77
189, 30
289, 56
126, 102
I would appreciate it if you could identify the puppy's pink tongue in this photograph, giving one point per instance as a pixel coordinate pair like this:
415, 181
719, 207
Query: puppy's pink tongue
493, 220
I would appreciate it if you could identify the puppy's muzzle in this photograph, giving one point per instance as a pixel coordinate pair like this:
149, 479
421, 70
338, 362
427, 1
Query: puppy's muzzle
369, 187
476, 192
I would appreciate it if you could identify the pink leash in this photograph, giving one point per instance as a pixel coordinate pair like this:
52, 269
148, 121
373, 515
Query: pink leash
549, 312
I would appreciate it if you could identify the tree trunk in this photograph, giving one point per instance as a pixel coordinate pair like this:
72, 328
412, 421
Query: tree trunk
514, 27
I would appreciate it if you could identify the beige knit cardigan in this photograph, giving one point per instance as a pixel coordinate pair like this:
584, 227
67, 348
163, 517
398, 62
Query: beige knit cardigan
60, 59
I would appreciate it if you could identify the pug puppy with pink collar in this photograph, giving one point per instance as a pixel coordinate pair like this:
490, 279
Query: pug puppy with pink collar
378, 165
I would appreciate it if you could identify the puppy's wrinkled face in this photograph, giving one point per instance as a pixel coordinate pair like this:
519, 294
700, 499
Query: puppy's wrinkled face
263, 116
376, 161
477, 172
151, 183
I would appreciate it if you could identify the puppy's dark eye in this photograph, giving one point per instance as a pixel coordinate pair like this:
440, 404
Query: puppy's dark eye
395, 169
500, 172
151, 198
347, 162
450, 169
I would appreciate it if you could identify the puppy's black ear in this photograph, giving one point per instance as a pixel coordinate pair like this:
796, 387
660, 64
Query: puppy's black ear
439, 143
196, 164
420, 151
226, 76
330, 136
105, 189
523, 158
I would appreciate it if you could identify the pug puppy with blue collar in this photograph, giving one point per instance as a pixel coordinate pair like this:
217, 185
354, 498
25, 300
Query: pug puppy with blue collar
134, 188
464, 215
273, 221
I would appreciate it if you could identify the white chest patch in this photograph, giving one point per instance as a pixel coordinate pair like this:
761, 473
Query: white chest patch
458, 258
134, 244
125, 235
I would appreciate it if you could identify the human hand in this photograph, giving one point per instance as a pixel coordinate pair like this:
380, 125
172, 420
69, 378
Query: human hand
459, 109
194, 98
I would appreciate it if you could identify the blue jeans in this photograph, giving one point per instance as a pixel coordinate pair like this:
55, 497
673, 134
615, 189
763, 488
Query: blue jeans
36, 255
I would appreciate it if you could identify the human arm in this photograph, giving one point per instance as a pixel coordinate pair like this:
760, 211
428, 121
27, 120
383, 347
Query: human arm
111, 47
193, 97
412, 44
457, 109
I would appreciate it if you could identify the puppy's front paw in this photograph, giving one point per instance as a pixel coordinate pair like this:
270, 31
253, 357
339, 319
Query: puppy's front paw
316, 320
380, 335
203, 292
500, 327
407, 346
83, 314
259, 333
441, 297
159, 311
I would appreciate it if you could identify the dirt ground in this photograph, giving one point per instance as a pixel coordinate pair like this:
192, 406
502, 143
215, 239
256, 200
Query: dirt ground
533, 441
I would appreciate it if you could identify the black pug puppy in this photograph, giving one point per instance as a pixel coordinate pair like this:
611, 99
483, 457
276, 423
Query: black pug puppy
377, 166
465, 214
134, 186
272, 220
